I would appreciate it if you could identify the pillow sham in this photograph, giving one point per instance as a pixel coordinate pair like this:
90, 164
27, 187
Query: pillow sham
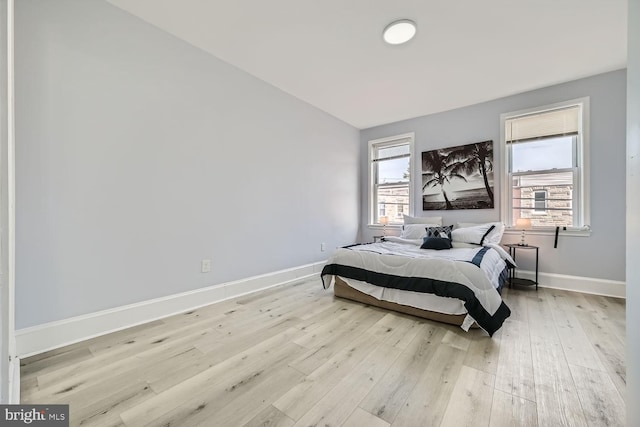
415, 231
476, 235
437, 220
437, 243
442, 231
495, 236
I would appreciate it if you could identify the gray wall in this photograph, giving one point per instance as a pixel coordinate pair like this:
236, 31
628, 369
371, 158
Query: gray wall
633, 216
139, 155
602, 254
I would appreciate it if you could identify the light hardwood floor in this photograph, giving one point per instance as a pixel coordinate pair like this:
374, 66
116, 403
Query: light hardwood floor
296, 356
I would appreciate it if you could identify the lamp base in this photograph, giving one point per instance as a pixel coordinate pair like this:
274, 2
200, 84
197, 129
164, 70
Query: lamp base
522, 243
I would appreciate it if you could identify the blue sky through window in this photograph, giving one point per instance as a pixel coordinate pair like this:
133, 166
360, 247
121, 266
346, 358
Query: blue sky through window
543, 154
393, 170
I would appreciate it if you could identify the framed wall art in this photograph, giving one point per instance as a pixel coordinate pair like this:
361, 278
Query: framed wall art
458, 177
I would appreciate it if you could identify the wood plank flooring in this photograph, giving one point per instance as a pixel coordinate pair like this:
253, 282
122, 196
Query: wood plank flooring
295, 355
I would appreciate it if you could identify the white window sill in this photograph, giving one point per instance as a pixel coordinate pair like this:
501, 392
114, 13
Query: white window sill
389, 227
582, 232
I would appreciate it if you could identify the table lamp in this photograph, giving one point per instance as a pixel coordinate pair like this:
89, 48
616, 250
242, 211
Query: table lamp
384, 220
523, 224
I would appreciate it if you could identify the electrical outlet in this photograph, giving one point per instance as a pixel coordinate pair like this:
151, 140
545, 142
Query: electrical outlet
205, 266
322, 247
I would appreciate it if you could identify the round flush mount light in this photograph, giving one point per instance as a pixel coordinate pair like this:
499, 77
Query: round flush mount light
400, 31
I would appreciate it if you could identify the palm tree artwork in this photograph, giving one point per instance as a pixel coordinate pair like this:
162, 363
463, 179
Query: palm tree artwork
436, 172
462, 175
473, 157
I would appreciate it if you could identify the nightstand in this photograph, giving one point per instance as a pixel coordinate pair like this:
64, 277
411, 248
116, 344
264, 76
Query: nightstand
378, 238
513, 280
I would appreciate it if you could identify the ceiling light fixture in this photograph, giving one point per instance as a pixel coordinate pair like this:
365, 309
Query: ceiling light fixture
400, 31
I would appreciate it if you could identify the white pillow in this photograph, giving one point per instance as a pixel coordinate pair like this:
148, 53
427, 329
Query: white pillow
415, 231
431, 220
476, 234
495, 236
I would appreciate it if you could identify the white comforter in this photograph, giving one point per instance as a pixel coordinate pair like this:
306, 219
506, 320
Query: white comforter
493, 262
448, 269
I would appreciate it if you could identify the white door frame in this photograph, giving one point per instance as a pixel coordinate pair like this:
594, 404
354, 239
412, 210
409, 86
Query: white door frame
9, 363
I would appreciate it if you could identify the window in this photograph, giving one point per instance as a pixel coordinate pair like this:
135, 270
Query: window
540, 202
545, 178
390, 178
400, 210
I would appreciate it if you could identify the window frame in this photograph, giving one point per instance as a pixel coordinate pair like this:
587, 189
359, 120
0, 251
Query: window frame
375, 144
582, 187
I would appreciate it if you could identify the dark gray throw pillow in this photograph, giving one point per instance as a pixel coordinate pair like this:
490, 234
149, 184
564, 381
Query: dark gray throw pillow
437, 243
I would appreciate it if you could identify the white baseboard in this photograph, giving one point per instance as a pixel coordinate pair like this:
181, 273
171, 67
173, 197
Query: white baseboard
587, 285
48, 336
14, 381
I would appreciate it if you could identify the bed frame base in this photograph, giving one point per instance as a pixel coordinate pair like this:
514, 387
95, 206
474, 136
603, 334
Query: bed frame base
342, 290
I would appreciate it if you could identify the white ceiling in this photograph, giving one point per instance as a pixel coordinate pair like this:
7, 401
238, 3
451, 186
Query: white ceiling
330, 53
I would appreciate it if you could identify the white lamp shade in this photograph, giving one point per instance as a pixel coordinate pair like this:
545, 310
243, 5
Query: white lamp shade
523, 223
384, 220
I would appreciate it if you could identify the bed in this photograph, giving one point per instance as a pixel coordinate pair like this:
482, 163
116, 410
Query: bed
459, 286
